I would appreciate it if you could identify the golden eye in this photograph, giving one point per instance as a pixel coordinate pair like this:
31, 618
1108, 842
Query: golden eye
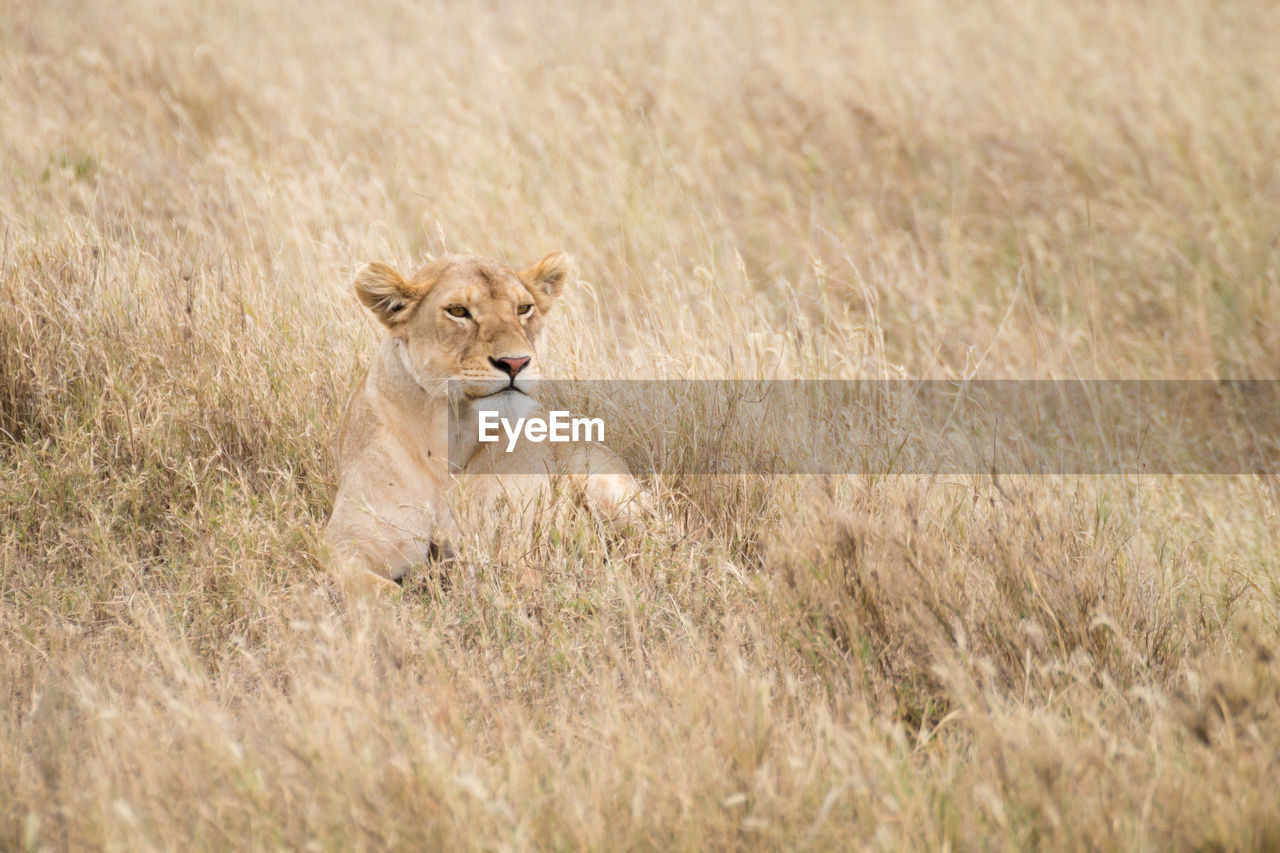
524, 310
457, 311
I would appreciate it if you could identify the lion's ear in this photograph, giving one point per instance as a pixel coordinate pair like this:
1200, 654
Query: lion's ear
385, 292
548, 278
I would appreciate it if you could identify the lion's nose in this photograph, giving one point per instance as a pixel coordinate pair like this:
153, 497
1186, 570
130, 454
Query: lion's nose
510, 366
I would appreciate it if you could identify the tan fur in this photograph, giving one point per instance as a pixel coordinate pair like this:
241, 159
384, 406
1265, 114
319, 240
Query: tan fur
394, 476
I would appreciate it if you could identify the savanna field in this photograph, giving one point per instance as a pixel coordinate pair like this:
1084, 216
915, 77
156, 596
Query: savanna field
851, 190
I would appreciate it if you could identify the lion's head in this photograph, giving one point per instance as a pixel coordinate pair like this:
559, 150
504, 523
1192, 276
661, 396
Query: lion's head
467, 319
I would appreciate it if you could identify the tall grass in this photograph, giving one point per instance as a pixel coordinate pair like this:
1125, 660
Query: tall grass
857, 190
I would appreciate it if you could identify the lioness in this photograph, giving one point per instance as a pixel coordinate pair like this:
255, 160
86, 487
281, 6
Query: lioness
476, 322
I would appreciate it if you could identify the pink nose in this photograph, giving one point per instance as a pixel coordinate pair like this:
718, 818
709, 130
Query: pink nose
510, 366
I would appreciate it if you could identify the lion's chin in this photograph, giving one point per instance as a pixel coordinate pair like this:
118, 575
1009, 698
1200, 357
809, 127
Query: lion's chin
509, 389
474, 390
511, 403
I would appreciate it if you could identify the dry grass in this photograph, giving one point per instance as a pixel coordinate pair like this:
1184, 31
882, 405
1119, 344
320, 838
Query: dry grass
926, 188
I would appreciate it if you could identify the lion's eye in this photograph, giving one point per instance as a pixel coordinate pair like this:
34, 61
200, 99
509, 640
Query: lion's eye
524, 310
457, 311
